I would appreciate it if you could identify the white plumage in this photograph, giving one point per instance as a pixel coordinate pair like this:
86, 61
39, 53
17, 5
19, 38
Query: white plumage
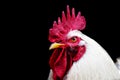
96, 64
118, 64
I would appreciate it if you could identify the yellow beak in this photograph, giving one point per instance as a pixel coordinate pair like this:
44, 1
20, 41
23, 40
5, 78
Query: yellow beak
55, 45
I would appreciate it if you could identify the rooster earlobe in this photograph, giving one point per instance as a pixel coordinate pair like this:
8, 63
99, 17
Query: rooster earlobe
82, 43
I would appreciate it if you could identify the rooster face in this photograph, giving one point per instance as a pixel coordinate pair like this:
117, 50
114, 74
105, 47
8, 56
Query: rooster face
72, 41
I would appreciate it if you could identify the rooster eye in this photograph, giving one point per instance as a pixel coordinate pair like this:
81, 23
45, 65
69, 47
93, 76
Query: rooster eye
73, 39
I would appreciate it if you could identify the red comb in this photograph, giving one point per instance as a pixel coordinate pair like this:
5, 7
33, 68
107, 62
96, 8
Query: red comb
69, 22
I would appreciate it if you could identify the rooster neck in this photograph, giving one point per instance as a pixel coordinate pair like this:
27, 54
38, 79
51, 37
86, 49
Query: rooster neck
95, 64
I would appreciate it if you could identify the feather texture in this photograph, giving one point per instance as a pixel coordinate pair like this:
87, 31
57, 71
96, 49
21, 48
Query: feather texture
118, 64
96, 64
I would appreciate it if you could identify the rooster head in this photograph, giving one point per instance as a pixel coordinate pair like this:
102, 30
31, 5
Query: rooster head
67, 44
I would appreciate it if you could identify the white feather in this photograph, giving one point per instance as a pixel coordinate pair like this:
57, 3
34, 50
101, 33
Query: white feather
118, 64
50, 77
96, 64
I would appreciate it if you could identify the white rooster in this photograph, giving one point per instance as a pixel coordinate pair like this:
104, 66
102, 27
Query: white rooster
77, 56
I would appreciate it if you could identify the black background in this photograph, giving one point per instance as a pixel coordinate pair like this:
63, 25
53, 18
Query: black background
102, 25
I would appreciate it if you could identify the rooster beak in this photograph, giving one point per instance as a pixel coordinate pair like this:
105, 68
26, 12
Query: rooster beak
56, 45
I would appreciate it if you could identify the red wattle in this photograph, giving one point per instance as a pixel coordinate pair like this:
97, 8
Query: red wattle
62, 60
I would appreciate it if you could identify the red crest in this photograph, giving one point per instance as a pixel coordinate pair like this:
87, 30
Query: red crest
68, 22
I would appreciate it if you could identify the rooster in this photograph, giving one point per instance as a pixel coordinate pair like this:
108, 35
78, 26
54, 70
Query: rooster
77, 56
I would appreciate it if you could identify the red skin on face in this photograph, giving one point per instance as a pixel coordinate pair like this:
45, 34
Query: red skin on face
63, 57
